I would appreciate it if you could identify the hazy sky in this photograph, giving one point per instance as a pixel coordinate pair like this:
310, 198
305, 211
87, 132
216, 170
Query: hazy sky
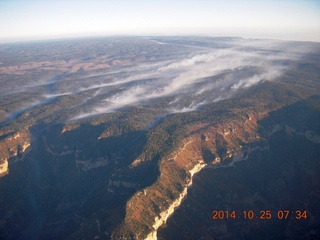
40, 19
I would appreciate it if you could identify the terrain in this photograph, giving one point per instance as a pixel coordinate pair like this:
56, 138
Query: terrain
144, 137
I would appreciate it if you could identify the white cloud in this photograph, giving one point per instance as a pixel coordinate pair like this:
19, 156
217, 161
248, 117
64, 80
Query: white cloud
215, 75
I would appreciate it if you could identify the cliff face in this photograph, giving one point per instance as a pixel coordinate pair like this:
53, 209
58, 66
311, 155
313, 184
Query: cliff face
12, 145
3, 167
244, 135
98, 182
282, 173
208, 145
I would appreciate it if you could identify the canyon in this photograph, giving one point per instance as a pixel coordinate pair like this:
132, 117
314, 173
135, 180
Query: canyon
143, 137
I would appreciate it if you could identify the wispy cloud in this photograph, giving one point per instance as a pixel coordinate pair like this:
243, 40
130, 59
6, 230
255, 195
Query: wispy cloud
201, 78
179, 82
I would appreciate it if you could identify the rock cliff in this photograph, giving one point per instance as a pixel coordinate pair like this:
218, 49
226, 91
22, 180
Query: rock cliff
208, 144
12, 144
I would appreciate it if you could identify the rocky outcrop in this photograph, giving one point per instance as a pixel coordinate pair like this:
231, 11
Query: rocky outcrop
3, 167
69, 127
307, 134
208, 144
12, 145
86, 165
163, 216
311, 136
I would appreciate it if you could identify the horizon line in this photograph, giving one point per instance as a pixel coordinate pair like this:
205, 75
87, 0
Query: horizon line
91, 36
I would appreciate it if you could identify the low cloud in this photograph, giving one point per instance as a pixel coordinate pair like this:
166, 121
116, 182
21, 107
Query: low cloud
203, 77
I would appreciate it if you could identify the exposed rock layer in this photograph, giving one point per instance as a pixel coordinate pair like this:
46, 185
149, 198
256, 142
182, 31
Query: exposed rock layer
12, 145
150, 208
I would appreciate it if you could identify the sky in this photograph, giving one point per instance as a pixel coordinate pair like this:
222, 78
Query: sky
22, 20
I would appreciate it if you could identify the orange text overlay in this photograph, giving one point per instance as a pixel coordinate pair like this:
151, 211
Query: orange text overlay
261, 215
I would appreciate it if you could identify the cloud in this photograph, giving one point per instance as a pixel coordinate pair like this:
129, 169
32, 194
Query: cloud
52, 96
198, 79
27, 106
245, 83
192, 107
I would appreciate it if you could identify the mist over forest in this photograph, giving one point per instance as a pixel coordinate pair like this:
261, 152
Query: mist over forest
183, 80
